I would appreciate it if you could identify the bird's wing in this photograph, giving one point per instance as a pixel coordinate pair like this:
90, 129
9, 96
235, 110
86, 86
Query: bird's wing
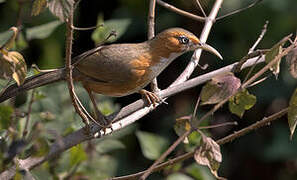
110, 63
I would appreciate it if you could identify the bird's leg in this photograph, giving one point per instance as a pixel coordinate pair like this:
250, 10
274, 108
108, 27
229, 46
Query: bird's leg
150, 97
98, 114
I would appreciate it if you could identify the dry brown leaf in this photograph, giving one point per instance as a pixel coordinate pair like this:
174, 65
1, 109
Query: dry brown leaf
209, 154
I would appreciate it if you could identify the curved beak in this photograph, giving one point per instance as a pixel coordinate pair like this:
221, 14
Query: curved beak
208, 48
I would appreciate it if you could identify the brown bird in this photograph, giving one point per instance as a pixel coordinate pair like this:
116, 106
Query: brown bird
121, 69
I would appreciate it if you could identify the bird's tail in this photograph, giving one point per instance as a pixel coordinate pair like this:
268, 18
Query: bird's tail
33, 82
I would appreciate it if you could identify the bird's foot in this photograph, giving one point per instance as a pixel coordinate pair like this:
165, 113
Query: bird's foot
150, 97
104, 123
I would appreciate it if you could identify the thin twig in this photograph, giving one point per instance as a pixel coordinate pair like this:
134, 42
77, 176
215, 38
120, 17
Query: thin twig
180, 12
69, 67
196, 108
151, 35
203, 37
239, 10
218, 125
270, 64
260, 37
32, 99
259, 81
250, 71
200, 7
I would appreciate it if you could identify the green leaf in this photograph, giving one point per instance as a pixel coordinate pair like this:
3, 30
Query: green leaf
178, 176
199, 172
291, 59
219, 88
13, 65
107, 107
42, 31
109, 145
60, 8
41, 147
182, 125
77, 155
241, 102
20, 71
118, 25
38, 6
5, 116
292, 113
273, 52
152, 145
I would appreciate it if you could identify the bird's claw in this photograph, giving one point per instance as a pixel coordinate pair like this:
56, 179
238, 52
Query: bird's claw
151, 98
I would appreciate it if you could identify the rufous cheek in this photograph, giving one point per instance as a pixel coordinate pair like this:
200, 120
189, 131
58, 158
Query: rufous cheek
173, 44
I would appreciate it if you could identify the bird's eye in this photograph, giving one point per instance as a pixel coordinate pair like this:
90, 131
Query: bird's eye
183, 40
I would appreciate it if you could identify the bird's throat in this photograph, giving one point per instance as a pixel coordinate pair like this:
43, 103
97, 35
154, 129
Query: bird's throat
159, 64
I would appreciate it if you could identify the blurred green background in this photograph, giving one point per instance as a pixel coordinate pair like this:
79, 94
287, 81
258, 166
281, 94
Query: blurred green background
266, 153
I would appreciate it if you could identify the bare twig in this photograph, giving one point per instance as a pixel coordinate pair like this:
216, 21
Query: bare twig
239, 10
69, 67
196, 108
259, 38
200, 7
259, 81
180, 12
32, 99
271, 63
203, 37
151, 35
218, 125
250, 71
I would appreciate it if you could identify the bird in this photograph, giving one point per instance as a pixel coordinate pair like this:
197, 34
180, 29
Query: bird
120, 69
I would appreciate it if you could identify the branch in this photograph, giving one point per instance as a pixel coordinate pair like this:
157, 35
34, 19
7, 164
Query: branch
180, 12
203, 37
69, 67
239, 10
151, 35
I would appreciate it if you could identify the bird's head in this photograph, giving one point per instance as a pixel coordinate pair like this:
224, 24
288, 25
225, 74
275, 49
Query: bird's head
178, 40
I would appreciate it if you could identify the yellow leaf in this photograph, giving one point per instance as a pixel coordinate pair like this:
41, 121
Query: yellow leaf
38, 6
20, 71
13, 65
